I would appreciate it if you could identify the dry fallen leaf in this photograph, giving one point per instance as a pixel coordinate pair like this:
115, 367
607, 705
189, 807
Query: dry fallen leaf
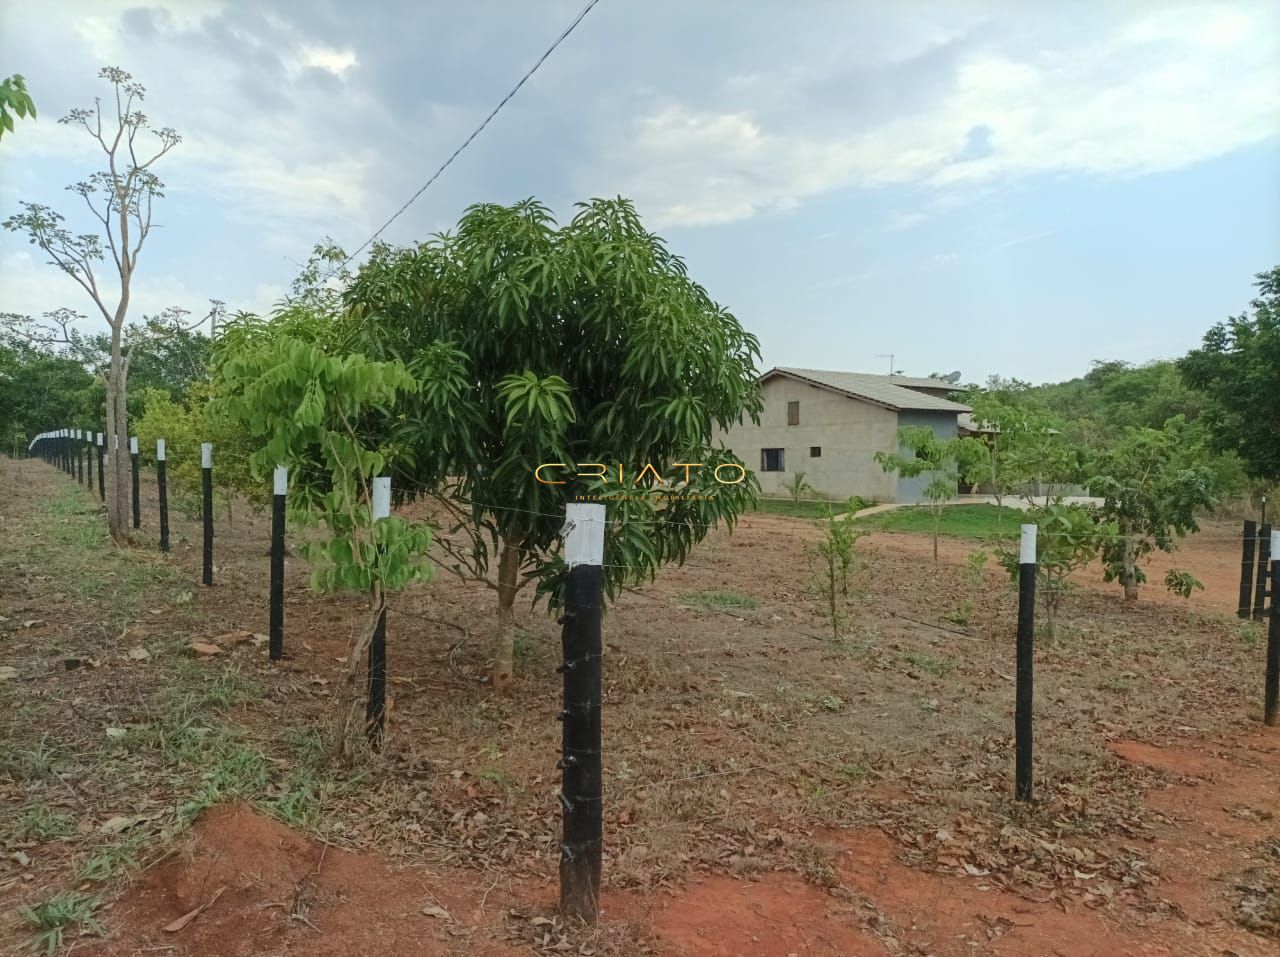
432, 910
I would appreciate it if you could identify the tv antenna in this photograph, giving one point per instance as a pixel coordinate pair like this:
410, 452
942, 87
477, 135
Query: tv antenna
889, 356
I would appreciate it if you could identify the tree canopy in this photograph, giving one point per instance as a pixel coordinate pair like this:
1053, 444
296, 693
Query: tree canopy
1238, 370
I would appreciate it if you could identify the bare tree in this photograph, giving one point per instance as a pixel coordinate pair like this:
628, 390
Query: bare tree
120, 198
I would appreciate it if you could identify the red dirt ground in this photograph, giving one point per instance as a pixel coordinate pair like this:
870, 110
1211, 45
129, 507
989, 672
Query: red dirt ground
1151, 705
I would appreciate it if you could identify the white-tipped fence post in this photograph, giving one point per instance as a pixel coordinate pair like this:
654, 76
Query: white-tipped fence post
78, 450
102, 475
133, 481
206, 506
1271, 707
162, 489
581, 785
1023, 784
376, 709
275, 636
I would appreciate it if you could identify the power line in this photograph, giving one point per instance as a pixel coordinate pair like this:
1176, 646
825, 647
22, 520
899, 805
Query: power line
477, 131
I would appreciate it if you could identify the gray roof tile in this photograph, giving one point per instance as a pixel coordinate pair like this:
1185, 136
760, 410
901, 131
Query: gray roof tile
891, 392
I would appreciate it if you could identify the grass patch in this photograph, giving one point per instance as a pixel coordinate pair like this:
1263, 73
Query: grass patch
721, 600
53, 918
985, 522
938, 667
806, 508
42, 824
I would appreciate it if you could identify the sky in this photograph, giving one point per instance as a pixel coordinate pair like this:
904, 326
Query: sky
1012, 188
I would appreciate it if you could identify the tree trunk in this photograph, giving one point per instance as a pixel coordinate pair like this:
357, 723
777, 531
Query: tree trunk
937, 518
504, 639
1130, 575
117, 446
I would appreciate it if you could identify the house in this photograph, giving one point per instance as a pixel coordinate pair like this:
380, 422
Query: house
830, 425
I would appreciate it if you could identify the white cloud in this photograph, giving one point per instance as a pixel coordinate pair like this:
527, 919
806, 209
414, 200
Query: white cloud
337, 62
1156, 93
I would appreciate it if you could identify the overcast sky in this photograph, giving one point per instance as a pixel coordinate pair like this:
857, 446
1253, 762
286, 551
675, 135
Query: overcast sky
1014, 188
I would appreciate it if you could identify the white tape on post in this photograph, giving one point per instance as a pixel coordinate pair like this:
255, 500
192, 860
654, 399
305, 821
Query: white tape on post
133, 445
206, 455
281, 479
159, 450
1027, 546
382, 497
99, 438
583, 534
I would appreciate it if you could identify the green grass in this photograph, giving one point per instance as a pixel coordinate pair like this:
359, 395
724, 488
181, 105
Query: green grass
721, 600
52, 918
938, 667
42, 824
805, 508
958, 521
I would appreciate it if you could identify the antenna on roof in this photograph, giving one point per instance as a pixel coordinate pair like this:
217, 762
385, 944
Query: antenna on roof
889, 356
954, 377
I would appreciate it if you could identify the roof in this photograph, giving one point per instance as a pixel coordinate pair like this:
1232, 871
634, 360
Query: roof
891, 393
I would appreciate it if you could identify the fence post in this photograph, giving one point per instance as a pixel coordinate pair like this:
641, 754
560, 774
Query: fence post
133, 475
102, 481
162, 486
1246, 569
1271, 710
206, 484
581, 786
275, 643
375, 710
1264, 557
1023, 784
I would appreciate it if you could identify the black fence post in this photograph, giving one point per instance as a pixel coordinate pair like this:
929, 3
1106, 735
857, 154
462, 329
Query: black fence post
1271, 710
102, 480
162, 486
133, 481
206, 507
375, 711
275, 636
1024, 697
1260, 588
1246, 569
581, 786
79, 452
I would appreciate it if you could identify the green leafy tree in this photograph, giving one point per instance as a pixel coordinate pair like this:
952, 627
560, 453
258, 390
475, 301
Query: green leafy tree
306, 409
40, 385
1068, 538
585, 345
1152, 482
14, 101
120, 200
184, 425
943, 461
1238, 368
1028, 452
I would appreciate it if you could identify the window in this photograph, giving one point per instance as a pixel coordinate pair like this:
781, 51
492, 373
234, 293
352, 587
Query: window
815, 451
793, 413
771, 460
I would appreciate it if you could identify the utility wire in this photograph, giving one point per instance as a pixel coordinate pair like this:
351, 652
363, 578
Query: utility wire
476, 132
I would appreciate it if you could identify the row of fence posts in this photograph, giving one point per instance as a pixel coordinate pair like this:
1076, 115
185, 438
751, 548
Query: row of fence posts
580, 764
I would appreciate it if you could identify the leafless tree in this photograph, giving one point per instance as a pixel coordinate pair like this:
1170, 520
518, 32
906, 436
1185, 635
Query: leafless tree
120, 197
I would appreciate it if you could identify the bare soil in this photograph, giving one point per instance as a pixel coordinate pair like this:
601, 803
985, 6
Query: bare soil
769, 790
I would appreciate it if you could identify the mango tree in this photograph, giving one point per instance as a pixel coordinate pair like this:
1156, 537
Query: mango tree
557, 362
1152, 483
